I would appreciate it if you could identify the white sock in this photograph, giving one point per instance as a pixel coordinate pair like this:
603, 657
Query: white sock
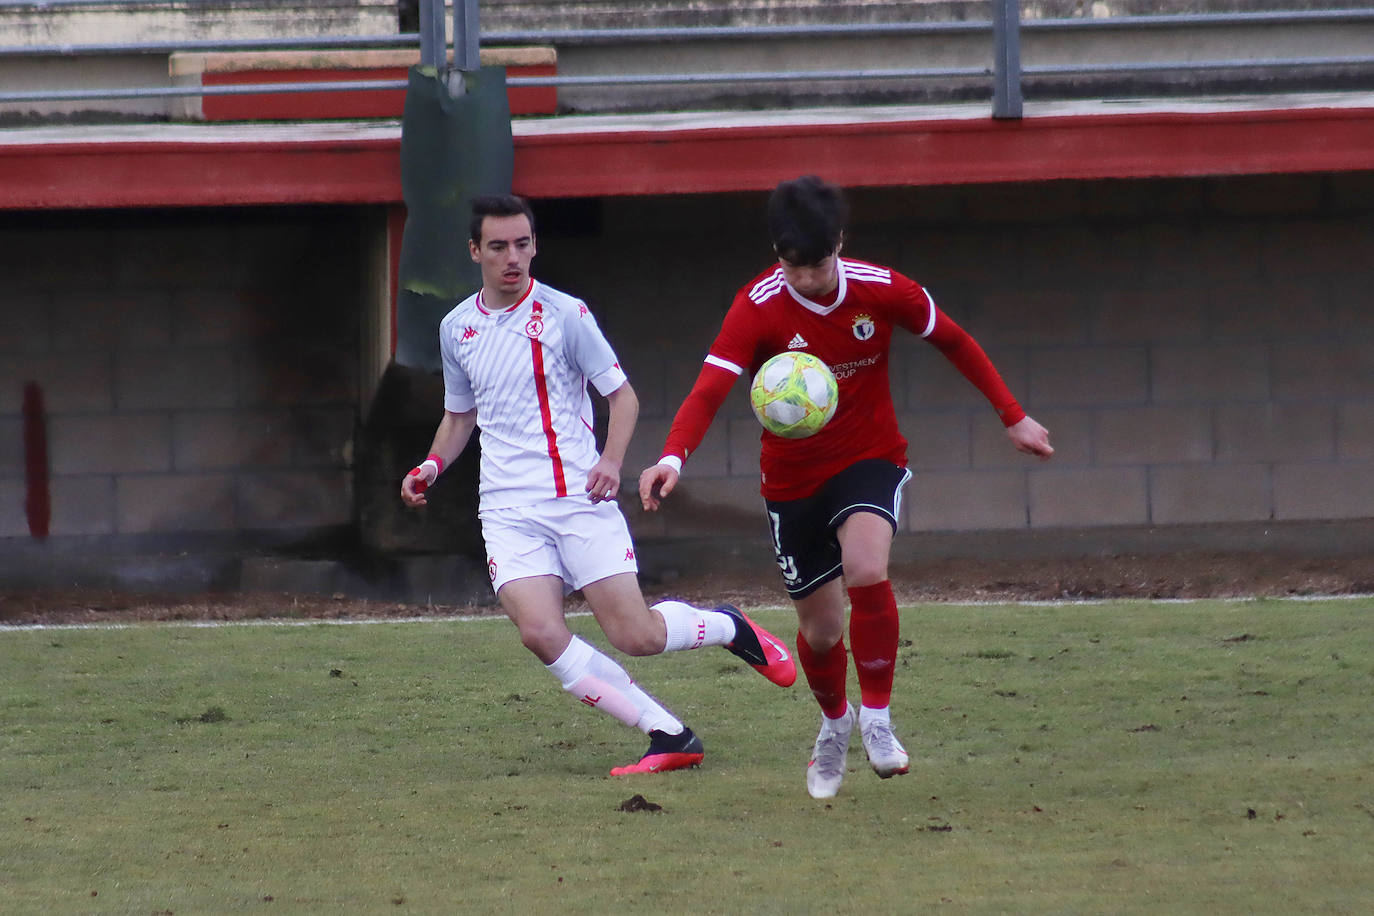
869, 715
692, 627
595, 679
834, 724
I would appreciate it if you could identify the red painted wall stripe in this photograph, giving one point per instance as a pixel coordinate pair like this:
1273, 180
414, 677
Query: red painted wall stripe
365, 103
395, 235
37, 497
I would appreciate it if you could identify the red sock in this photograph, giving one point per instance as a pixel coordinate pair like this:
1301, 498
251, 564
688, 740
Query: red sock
873, 637
826, 673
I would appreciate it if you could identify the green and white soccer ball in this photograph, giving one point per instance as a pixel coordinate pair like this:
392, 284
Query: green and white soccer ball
794, 394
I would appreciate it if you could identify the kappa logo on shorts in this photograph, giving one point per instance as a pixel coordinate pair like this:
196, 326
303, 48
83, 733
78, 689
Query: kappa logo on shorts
491, 568
629, 553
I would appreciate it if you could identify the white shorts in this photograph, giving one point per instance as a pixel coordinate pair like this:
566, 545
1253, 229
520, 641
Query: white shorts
570, 537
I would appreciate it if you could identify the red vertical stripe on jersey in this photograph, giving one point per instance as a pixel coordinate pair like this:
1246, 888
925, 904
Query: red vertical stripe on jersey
541, 390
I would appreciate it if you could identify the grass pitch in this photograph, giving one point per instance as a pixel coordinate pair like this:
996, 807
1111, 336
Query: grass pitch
1128, 757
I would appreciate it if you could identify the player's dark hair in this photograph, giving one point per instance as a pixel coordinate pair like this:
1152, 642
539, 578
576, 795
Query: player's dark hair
806, 218
496, 205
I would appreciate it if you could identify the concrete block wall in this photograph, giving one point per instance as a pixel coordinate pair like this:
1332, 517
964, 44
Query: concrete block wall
199, 369
1201, 350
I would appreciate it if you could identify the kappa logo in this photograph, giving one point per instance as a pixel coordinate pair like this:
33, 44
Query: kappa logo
582, 310
629, 553
468, 334
864, 327
797, 342
491, 568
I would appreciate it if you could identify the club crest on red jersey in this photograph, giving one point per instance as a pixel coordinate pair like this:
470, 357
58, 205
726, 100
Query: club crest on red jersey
863, 327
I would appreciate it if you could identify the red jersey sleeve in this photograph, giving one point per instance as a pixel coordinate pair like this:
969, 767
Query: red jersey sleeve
698, 409
730, 356
918, 313
968, 357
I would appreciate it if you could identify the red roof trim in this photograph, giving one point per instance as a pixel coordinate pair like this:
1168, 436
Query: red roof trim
949, 152
149, 173
152, 174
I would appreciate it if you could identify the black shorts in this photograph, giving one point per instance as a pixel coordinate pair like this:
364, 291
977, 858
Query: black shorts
804, 538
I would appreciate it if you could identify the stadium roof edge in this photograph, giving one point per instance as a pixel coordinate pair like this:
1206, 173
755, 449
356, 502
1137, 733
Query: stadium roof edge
157, 165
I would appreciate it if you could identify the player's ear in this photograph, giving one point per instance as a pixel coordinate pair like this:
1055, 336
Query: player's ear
474, 251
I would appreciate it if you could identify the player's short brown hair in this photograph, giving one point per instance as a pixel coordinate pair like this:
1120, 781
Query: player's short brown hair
496, 205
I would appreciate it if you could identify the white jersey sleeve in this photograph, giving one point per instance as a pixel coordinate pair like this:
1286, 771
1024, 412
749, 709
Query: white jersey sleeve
458, 394
588, 349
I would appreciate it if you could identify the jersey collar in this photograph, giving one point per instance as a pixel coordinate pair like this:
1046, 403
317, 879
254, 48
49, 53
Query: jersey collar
816, 306
482, 307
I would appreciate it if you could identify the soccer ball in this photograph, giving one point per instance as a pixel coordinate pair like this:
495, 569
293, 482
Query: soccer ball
794, 394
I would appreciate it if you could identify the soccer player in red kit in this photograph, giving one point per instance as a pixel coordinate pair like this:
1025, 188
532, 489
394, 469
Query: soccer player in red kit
833, 499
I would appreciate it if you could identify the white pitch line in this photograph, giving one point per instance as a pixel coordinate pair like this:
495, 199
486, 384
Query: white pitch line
251, 622
468, 618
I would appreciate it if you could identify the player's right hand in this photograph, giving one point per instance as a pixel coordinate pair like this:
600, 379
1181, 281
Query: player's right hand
655, 483
414, 484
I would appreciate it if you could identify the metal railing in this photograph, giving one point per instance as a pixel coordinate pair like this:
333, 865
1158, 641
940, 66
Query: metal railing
1003, 31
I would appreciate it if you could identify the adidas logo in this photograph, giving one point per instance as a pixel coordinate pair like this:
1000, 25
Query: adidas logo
797, 342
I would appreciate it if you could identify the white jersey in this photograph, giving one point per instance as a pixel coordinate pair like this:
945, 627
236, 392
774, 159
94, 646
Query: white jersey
526, 369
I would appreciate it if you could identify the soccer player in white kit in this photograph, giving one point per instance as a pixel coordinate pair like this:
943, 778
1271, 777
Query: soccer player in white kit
517, 357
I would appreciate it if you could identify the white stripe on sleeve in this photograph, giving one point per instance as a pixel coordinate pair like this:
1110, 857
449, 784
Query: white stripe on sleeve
930, 302
725, 364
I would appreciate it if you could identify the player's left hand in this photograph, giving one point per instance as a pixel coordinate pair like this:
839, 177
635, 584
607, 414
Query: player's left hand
603, 481
655, 483
1030, 437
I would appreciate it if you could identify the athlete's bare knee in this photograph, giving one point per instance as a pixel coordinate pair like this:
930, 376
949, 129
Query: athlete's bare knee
547, 641
636, 639
861, 571
821, 636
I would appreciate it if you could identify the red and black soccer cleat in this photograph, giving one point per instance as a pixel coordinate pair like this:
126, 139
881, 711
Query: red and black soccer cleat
764, 652
666, 752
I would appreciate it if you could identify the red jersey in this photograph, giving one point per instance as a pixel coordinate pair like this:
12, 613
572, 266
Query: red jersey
853, 336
